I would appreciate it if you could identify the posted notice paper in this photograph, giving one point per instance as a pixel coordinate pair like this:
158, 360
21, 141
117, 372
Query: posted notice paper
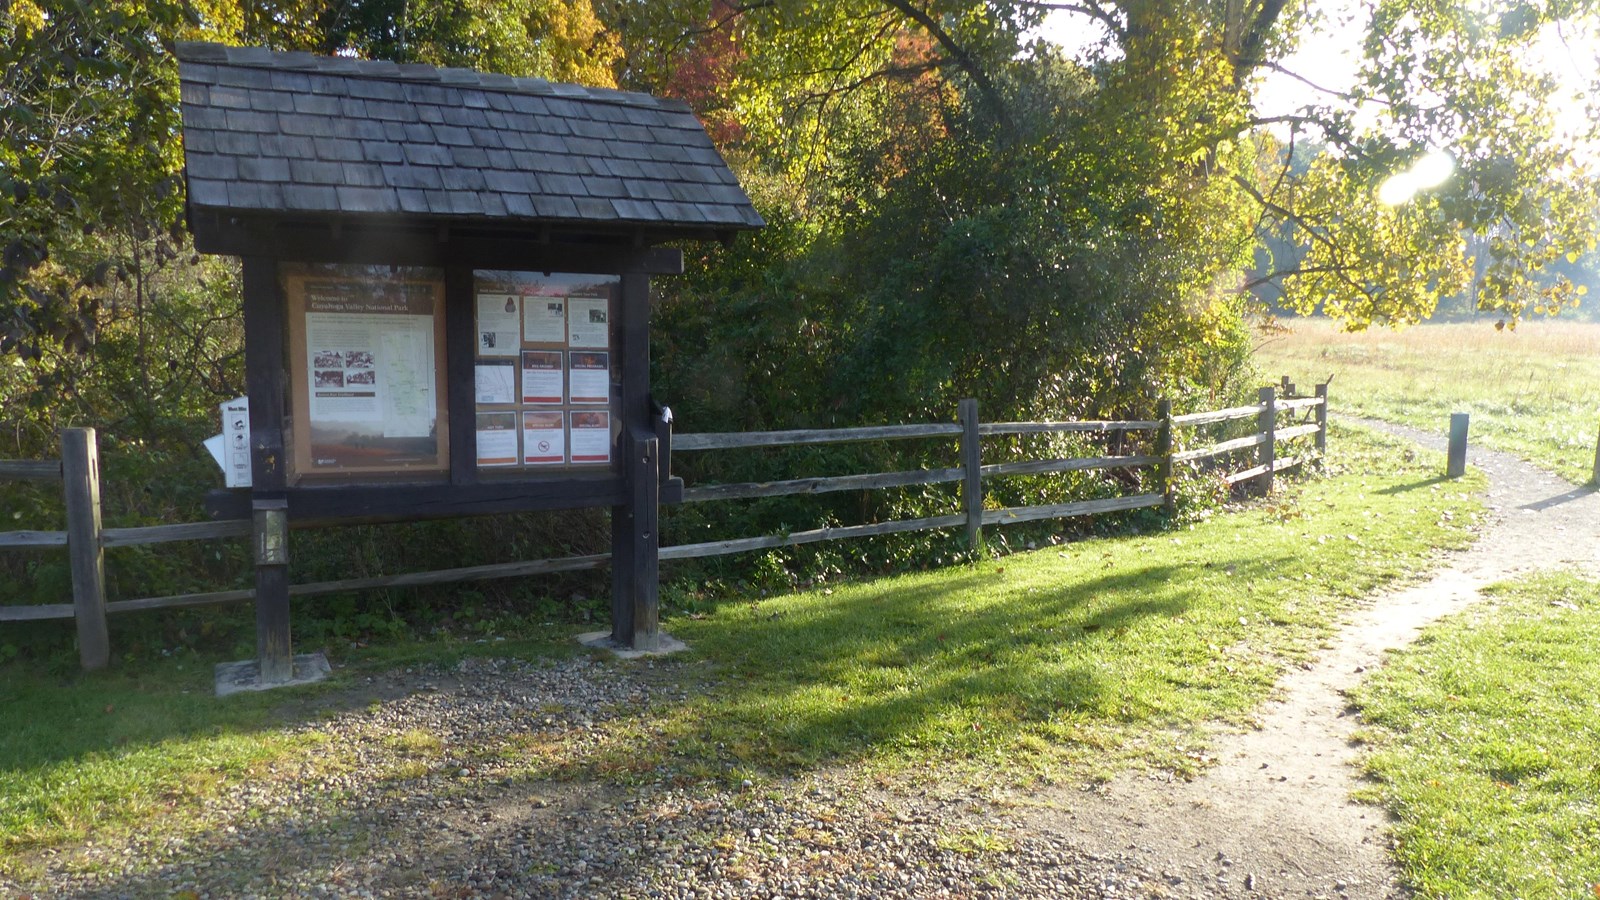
544, 440
590, 380
588, 323
544, 320
496, 382
499, 325
591, 436
542, 376
497, 439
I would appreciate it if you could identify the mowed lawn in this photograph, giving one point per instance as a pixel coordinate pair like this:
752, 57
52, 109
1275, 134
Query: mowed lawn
1534, 391
1485, 740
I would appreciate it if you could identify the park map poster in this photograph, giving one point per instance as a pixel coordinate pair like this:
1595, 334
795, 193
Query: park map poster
367, 357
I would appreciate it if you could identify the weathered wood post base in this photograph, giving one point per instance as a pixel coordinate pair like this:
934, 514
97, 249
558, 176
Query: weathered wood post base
635, 542
1456, 465
271, 532
1267, 425
1164, 449
1321, 439
1595, 478
971, 472
275, 664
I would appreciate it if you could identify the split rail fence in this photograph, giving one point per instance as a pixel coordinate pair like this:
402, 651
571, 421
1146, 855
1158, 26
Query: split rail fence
1278, 420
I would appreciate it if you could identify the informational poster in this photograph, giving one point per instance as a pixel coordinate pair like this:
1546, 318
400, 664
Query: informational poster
544, 440
558, 382
591, 436
588, 322
236, 469
499, 325
544, 320
496, 382
590, 377
497, 439
542, 377
367, 351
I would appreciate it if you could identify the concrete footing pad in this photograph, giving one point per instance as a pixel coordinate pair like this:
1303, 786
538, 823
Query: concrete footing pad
237, 677
601, 640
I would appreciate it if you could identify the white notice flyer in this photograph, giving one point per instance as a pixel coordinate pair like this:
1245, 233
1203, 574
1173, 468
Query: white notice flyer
499, 325
235, 460
497, 439
590, 380
496, 382
591, 436
544, 320
588, 323
544, 441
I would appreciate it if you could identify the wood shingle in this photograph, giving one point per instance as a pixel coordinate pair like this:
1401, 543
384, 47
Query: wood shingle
273, 133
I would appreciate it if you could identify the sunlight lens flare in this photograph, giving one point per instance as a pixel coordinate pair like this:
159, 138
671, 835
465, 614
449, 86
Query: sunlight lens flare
1432, 170
1397, 189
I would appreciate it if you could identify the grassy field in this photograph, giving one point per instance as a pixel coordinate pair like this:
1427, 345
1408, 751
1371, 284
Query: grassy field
1070, 661
1534, 392
1485, 738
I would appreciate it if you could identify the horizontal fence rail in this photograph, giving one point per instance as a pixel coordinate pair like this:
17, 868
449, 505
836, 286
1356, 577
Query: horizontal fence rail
30, 470
86, 540
731, 440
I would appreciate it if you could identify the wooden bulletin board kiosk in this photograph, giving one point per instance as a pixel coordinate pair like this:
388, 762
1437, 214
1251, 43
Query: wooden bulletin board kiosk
446, 295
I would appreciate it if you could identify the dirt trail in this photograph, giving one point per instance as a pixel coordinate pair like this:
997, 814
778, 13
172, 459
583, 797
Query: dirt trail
1273, 818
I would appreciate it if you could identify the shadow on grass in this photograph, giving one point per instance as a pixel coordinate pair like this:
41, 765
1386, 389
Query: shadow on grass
1408, 487
965, 663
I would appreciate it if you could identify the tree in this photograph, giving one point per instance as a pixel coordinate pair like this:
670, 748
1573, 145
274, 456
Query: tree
807, 71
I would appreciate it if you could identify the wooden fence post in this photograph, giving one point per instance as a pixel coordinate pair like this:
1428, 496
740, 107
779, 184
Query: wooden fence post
1268, 427
1164, 450
80, 475
1595, 478
972, 476
1321, 440
1456, 463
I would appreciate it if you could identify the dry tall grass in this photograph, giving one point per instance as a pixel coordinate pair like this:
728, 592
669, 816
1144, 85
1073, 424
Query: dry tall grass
1534, 391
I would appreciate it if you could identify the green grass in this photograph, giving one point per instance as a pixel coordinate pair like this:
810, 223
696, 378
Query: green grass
1092, 656
1534, 392
1486, 745
115, 749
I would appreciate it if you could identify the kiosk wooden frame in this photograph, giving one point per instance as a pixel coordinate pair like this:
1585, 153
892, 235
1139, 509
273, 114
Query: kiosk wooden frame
295, 159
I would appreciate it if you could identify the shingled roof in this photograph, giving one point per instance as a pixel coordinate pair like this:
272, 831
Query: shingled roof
304, 135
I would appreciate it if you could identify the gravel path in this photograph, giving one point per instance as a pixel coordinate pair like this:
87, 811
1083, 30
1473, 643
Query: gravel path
465, 822
426, 791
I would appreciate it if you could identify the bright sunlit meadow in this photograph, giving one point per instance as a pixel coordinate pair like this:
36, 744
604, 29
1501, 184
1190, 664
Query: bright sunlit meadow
1534, 391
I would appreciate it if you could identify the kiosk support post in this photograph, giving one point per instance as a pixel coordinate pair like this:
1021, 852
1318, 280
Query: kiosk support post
271, 532
264, 355
635, 612
635, 601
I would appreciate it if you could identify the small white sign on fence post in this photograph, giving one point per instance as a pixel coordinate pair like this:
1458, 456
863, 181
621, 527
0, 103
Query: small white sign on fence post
236, 442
